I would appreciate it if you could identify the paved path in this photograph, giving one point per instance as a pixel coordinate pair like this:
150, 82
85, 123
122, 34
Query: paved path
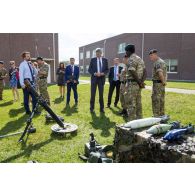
174, 90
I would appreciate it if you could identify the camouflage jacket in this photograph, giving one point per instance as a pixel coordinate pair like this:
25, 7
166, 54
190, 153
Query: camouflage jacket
3, 72
43, 68
158, 66
135, 63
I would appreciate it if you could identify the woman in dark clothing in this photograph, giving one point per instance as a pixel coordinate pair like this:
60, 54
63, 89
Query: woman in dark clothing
14, 77
61, 79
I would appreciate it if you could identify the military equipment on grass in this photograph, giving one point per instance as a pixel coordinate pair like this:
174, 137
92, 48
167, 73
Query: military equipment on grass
48, 118
31, 129
43, 103
176, 134
96, 153
146, 122
68, 128
163, 128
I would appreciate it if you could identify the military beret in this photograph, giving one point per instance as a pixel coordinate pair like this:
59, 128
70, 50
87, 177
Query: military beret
1, 62
130, 48
39, 58
153, 51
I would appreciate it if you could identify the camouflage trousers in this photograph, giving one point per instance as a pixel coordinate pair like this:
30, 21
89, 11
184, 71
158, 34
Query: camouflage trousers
122, 95
133, 101
158, 99
1, 89
42, 85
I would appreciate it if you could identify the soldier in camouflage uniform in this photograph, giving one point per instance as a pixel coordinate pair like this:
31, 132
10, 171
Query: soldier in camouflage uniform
123, 88
136, 74
3, 74
159, 79
43, 70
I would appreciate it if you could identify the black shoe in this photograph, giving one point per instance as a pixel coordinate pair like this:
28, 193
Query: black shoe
102, 111
123, 112
29, 112
92, 111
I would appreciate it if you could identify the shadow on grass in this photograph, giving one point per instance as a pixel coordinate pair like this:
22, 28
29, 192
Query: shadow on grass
15, 112
27, 150
70, 110
6, 103
62, 137
102, 122
114, 111
13, 125
58, 100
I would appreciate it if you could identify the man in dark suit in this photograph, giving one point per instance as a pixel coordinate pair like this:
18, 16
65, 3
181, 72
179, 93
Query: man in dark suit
98, 69
114, 81
72, 80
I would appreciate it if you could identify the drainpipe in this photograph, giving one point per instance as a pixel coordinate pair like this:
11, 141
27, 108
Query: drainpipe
105, 48
142, 45
83, 60
54, 57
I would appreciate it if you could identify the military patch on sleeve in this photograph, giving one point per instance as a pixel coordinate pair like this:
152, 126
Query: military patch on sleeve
158, 66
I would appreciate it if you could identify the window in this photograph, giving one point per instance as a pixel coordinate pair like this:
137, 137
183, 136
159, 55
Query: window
171, 65
121, 48
94, 53
81, 69
86, 69
87, 54
81, 55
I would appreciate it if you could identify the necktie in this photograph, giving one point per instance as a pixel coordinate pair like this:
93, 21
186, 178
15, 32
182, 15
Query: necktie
114, 73
72, 69
100, 65
31, 71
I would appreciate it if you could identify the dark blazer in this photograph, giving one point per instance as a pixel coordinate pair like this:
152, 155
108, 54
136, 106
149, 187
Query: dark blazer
93, 69
111, 73
68, 73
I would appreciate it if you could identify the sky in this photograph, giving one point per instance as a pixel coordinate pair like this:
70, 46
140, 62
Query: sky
69, 43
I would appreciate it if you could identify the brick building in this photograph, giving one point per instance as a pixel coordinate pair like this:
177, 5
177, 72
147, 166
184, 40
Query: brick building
178, 49
38, 44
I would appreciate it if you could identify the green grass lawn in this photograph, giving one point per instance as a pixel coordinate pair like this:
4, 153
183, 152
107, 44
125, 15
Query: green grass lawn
170, 84
174, 84
44, 147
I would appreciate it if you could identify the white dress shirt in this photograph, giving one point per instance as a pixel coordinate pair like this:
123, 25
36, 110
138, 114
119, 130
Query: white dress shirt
24, 72
116, 71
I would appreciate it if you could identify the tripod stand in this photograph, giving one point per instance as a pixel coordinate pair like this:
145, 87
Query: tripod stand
29, 128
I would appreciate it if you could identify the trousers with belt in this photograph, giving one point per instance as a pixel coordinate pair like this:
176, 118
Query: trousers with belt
113, 85
1, 88
72, 86
42, 84
133, 101
97, 82
122, 95
158, 99
27, 94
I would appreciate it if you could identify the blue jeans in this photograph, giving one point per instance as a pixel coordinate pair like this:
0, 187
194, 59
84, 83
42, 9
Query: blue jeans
26, 94
72, 86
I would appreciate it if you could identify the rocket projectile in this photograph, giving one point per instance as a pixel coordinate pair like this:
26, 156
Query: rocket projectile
162, 128
140, 123
176, 134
